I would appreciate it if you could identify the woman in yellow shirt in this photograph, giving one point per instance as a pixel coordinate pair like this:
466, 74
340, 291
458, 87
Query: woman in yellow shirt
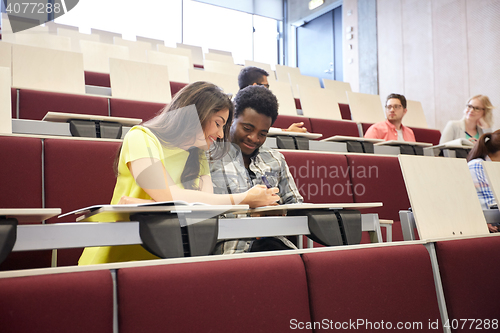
164, 159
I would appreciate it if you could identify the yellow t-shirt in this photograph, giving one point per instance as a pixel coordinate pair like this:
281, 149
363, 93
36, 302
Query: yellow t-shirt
139, 143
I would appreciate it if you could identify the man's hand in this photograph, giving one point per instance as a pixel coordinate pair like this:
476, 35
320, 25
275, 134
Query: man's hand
296, 127
492, 228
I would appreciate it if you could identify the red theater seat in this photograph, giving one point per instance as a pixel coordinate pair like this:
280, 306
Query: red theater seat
298, 105
35, 104
469, 270
97, 79
78, 173
379, 179
21, 187
320, 177
345, 111
365, 127
13, 99
175, 87
427, 135
67, 302
21, 172
134, 109
391, 284
334, 127
244, 295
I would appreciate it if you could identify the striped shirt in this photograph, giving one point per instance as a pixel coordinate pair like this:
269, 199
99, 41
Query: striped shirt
229, 175
481, 183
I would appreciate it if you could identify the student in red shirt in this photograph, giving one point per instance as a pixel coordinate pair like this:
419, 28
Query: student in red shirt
392, 128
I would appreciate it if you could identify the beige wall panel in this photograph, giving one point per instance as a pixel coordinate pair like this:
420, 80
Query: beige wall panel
5, 54
390, 47
418, 55
5, 101
178, 51
154, 42
76, 37
222, 67
483, 24
105, 36
450, 60
178, 65
220, 52
136, 49
46, 69
415, 116
317, 102
365, 108
139, 81
43, 39
338, 89
228, 83
289, 74
219, 57
196, 52
286, 102
96, 55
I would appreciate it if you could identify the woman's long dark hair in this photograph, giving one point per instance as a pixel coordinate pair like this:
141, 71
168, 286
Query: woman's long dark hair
488, 143
178, 123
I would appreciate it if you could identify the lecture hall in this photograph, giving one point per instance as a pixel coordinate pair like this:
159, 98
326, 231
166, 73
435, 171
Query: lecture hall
339, 173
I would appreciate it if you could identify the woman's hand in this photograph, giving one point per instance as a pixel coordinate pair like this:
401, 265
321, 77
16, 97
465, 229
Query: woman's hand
482, 123
260, 195
296, 127
473, 140
129, 200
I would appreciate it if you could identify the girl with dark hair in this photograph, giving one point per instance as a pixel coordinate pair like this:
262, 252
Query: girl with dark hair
487, 148
164, 159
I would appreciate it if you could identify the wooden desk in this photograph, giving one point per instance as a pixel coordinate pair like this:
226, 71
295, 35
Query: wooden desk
29, 214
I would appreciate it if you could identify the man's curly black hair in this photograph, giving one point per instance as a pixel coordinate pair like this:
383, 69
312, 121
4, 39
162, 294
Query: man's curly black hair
250, 75
259, 98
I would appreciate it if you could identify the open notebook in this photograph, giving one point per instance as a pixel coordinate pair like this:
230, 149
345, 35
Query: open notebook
146, 204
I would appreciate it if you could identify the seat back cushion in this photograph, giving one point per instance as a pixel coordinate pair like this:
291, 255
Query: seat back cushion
21, 172
247, 295
284, 121
134, 109
320, 177
367, 286
334, 127
379, 179
67, 302
469, 270
35, 104
345, 111
78, 173
427, 135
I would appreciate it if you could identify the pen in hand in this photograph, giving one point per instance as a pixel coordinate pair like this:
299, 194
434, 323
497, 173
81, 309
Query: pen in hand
266, 182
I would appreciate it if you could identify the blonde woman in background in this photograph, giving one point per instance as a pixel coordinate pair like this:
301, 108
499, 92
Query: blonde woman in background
477, 120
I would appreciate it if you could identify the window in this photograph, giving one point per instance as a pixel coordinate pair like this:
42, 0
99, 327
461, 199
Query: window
181, 21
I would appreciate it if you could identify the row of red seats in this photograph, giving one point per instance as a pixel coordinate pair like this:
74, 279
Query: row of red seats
79, 173
366, 289
35, 104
